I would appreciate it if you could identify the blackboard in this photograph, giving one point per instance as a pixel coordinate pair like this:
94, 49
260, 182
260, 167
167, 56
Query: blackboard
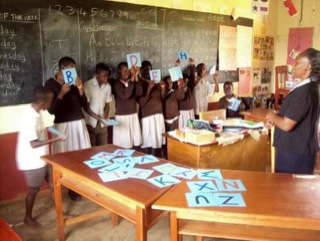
35, 35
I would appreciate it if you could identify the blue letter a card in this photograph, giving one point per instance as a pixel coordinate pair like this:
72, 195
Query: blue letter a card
69, 75
145, 159
163, 181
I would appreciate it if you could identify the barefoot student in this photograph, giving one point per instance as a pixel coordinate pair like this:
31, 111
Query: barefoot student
32, 143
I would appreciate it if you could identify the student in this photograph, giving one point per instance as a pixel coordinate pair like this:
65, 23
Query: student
295, 137
202, 89
224, 102
67, 107
127, 133
152, 121
32, 143
98, 92
171, 104
186, 105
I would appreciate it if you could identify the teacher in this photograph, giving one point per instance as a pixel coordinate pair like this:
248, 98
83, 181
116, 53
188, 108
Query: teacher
295, 137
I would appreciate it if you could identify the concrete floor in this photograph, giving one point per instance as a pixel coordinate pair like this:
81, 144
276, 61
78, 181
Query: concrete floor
98, 229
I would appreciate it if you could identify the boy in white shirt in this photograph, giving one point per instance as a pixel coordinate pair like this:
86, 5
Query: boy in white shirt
98, 92
31, 145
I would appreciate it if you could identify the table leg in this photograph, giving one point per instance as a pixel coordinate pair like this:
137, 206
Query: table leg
115, 219
174, 227
58, 203
199, 238
141, 227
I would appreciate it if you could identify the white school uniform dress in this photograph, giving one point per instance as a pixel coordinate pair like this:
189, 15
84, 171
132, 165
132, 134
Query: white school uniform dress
127, 133
200, 94
31, 128
152, 130
97, 96
185, 115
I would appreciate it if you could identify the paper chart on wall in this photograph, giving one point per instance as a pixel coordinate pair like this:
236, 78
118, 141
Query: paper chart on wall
228, 48
244, 46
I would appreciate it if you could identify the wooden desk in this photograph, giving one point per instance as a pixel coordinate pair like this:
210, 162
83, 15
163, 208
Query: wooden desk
247, 154
278, 207
129, 198
257, 115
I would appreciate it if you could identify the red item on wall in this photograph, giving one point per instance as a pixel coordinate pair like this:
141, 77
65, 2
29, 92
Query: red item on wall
290, 7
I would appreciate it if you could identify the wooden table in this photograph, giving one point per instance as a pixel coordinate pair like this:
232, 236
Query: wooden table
278, 207
258, 114
129, 198
246, 154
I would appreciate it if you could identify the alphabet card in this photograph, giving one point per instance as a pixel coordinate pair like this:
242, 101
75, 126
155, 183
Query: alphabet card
134, 59
229, 199
123, 152
230, 185
55, 131
124, 160
183, 55
175, 73
103, 156
163, 181
112, 176
97, 163
69, 75
165, 168
145, 159
112, 168
182, 172
110, 122
200, 199
139, 173
202, 186
209, 174
155, 75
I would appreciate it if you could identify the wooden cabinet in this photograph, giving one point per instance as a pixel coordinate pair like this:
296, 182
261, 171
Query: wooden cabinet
280, 85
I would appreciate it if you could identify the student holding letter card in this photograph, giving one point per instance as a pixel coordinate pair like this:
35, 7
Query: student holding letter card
296, 124
230, 101
127, 88
186, 105
151, 112
67, 105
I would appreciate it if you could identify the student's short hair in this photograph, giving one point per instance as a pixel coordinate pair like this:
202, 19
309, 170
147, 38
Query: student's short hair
41, 94
166, 79
100, 67
125, 64
146, 63
66, 61
227, 83
200, 65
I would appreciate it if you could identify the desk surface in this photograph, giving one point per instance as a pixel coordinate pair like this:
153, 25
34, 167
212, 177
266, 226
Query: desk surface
258, 114
275, 200
131, 191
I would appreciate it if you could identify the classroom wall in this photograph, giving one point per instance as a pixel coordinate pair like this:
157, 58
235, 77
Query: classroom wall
12, 182
310, 18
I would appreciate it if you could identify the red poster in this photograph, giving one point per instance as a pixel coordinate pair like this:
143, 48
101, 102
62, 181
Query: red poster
299, 40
